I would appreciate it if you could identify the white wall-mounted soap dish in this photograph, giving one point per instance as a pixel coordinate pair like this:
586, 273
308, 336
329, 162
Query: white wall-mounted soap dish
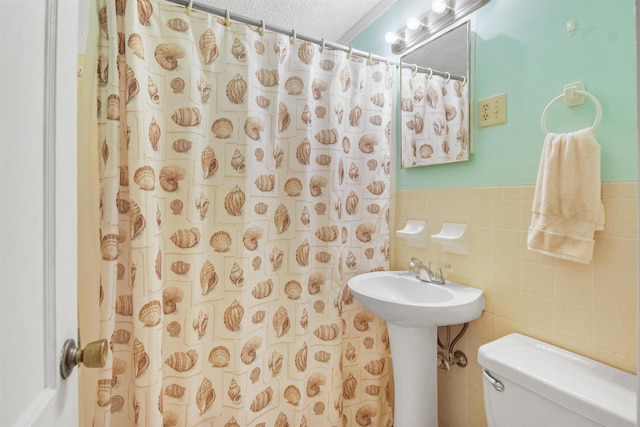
453, 238
414, 233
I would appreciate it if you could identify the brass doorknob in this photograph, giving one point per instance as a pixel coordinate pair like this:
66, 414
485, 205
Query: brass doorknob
93, 355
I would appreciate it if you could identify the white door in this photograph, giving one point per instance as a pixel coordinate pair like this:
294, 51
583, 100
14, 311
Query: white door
38, 50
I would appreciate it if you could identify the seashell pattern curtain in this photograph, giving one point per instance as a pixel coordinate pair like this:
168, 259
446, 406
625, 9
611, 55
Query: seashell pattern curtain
435, 119
244, 180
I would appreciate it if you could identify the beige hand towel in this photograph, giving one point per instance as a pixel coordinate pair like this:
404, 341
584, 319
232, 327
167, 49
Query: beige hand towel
567, 207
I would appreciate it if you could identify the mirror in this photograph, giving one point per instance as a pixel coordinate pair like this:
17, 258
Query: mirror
435, 108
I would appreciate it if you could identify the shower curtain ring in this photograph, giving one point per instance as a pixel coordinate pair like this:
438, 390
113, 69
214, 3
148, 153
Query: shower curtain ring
349, 52
227, 18
464, 81
388, 62
292, 39
262, 28
414, 70
187, 11
448, 77
322, 45
369, 58
430, 73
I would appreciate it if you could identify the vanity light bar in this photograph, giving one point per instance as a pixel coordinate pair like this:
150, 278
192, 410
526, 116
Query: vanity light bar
443, 13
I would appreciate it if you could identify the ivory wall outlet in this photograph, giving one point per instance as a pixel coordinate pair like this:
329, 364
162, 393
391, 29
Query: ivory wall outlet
492, 110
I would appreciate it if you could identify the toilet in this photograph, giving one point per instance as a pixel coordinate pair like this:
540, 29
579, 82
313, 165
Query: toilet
529, 383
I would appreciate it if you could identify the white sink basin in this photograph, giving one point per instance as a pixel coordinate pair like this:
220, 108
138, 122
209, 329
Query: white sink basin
400, 298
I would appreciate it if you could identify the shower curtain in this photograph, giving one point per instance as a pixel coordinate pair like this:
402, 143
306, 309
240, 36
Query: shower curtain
244, 178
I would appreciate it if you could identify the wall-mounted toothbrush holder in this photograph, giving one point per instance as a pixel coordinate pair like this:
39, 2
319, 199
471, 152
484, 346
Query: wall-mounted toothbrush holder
414, 233
453, 238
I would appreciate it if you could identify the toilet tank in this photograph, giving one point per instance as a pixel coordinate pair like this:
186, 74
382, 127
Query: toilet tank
544, 385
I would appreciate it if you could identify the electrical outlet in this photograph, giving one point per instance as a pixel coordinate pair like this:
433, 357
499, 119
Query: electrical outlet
492, 110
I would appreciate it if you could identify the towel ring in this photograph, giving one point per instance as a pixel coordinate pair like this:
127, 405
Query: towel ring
576, 92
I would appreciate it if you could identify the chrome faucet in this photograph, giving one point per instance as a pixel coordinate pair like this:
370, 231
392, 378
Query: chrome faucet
424, 272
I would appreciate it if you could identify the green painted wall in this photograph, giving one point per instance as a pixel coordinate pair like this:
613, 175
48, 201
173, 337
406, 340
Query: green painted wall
523, 49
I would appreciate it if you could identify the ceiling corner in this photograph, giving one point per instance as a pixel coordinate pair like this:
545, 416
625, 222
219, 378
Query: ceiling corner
373, 14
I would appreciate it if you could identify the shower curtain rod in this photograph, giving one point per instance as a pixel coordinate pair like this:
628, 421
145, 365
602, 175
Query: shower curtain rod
258, 23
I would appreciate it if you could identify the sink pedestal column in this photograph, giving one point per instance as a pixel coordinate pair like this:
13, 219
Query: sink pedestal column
415, 372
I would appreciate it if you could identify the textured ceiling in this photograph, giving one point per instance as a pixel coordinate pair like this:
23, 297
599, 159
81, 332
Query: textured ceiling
335, 20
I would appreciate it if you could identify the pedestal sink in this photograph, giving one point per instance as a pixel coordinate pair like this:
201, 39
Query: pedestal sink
413, 310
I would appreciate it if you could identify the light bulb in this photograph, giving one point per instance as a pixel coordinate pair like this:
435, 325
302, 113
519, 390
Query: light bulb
440, 6
392, 38
414, 23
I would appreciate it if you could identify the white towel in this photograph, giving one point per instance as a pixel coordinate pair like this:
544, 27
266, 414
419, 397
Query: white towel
567, 207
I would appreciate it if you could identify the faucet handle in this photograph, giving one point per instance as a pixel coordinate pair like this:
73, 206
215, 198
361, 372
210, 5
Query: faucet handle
414, 263
438, 271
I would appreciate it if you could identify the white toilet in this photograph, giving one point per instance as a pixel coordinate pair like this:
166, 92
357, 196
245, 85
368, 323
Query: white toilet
529, 383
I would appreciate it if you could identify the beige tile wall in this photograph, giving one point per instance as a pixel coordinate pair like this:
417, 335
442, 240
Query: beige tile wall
588, 309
